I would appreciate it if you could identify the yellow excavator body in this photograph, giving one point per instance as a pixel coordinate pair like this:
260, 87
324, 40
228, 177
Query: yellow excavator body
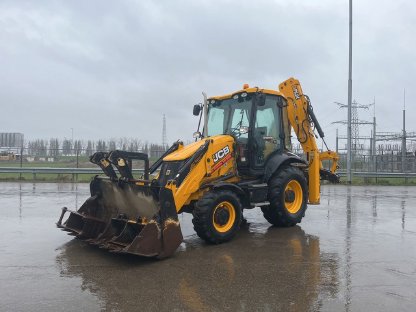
217, 162
241, 160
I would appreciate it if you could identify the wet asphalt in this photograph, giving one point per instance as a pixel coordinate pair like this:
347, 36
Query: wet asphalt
356, 251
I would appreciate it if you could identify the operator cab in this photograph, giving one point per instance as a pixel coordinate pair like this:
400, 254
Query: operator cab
258, 122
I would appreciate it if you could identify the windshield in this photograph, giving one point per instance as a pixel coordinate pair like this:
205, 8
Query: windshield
230, 116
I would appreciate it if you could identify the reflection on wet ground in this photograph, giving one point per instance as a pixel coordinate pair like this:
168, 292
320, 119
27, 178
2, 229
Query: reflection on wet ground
353, 252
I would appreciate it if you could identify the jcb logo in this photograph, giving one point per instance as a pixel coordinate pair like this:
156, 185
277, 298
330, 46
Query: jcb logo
221, 154
296, 93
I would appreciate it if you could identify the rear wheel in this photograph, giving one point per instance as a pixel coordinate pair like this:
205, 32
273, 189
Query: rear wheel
217, 216
288, 195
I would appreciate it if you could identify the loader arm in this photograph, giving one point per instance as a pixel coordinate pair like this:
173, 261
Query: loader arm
303, 121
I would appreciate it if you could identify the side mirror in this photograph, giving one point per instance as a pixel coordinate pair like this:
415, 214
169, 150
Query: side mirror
260, 99
197, 109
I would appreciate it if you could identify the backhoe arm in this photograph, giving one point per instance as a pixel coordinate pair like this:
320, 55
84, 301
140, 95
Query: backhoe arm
303, 121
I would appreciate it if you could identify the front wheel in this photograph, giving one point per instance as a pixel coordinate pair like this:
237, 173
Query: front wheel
217, 216
288, 196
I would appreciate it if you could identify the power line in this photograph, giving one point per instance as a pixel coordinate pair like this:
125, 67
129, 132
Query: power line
354, 123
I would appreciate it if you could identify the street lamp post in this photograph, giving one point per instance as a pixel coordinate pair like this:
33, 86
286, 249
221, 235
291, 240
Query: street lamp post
349, 175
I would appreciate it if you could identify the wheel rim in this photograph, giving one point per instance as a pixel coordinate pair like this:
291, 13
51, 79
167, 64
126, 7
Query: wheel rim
223, 217
293, 196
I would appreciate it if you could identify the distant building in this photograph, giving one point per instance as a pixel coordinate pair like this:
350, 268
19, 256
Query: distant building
8, 139
7, 156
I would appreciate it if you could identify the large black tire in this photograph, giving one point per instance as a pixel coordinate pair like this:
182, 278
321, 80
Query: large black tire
217, 216
288, 197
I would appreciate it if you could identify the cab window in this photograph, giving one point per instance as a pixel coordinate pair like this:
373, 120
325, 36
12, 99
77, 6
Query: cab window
267, 129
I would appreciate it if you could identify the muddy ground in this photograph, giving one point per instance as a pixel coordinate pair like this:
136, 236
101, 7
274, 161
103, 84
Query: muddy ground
354, 252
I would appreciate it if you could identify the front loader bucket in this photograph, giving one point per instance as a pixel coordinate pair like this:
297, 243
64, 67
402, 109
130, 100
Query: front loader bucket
126, 217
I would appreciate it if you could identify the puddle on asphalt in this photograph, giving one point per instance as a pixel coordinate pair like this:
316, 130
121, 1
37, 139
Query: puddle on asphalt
355, 251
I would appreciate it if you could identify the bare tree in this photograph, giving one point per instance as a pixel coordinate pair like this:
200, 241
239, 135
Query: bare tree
112, 145
53, 147
90, 148
66, 147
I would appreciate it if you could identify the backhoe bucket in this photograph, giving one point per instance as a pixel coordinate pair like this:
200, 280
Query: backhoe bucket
126, 217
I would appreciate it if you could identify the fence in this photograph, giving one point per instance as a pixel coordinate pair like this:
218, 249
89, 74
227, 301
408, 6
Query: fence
29, 163
381, 163
53, 165
58, 173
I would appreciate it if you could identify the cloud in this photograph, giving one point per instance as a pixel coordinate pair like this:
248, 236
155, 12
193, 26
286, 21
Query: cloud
112, 69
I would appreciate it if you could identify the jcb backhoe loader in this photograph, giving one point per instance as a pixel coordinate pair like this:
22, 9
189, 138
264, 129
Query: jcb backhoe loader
241, 160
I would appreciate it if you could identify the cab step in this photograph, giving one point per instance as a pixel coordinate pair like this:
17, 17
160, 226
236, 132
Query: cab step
265, 203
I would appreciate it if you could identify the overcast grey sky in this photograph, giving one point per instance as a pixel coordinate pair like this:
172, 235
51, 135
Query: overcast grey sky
113, 68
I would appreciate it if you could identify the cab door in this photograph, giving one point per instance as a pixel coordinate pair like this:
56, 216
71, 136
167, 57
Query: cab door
266, 136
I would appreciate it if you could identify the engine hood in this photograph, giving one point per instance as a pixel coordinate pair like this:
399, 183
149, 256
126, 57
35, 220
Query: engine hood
188, 150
